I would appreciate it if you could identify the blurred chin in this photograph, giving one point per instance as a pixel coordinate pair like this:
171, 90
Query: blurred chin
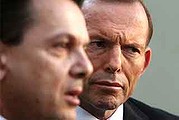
68, 115
62, 116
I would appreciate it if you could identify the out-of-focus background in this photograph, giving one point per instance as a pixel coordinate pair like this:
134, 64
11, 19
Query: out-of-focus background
159, 86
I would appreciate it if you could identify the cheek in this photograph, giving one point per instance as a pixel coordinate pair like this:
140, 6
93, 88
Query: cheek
90, 94
52, 75
40, 76
133, 72
97, 61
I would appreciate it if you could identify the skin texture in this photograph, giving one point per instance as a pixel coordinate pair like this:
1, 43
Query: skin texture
118, 34
42, 77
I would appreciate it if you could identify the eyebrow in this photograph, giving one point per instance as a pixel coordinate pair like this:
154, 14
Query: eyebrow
119, 38
63, 34
72, 38
136, 45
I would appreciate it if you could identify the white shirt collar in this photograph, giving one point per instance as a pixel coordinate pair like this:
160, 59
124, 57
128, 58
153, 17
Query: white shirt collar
1, 118
85, 115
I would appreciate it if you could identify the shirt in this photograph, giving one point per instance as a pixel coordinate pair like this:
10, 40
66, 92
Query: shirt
1, 118
82, 114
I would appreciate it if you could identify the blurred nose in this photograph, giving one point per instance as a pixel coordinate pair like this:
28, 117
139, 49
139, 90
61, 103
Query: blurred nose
113, 63
82, 66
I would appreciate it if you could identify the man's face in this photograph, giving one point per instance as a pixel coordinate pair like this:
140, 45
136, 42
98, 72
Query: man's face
44, 73
118, 34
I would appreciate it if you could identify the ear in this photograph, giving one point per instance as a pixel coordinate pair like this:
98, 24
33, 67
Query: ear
2, 61
148, 54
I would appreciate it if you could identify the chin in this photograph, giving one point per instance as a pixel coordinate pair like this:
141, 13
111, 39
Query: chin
68, 115
109, 103
106, 105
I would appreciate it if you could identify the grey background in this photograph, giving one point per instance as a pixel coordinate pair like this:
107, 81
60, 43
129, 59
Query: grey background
159, 86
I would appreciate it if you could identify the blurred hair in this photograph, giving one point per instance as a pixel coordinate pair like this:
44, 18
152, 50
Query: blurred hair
15, 18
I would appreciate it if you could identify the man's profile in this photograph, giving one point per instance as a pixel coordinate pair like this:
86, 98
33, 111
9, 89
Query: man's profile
42, 60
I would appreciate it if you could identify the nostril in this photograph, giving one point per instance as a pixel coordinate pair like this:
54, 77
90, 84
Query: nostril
118, 70
108, 70
81, 75
111, 69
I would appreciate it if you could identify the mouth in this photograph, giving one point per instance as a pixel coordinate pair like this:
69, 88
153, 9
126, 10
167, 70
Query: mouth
109, 84
71, 96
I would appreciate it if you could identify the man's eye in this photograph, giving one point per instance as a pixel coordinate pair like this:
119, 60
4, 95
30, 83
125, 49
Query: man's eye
61, 42
61, 45
61, 49
131, 50
97, 44
134, 50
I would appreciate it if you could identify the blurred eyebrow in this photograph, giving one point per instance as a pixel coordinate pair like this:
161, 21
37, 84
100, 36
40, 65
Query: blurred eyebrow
57, 36
67, 35
72, 38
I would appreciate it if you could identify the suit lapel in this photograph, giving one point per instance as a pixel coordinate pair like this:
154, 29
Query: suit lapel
131, 112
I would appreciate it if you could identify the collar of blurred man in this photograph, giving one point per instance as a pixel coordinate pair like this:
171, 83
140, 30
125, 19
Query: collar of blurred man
2, 118
82, 114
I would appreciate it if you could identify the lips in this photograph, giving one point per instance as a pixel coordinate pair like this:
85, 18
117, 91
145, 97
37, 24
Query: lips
108, 84
71, 96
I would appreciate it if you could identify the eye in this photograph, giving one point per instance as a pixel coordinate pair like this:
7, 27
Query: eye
97, 44
133, 49
130, 50
61, 44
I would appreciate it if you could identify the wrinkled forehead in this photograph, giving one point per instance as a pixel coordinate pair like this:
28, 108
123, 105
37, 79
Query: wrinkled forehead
116, 17
113, 10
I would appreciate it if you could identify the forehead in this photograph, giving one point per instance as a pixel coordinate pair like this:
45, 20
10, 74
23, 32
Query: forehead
116, 18
53, 17
55, 11
114, 8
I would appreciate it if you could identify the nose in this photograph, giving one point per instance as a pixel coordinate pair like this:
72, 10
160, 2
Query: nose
82, 66
113, 62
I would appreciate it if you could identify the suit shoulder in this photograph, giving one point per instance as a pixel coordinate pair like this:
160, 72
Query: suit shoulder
151, 112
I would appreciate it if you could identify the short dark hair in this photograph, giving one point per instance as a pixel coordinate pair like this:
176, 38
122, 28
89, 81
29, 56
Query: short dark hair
15, 18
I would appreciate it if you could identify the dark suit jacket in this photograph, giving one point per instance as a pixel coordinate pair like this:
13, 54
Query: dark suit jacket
136, 110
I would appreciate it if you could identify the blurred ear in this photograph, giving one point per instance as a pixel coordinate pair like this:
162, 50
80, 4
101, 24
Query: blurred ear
148, 54
2, 61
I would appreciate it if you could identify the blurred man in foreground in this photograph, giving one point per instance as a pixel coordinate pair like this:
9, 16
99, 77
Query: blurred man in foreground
42, 60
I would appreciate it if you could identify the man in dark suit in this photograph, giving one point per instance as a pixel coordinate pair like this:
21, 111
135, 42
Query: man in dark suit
120, 32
